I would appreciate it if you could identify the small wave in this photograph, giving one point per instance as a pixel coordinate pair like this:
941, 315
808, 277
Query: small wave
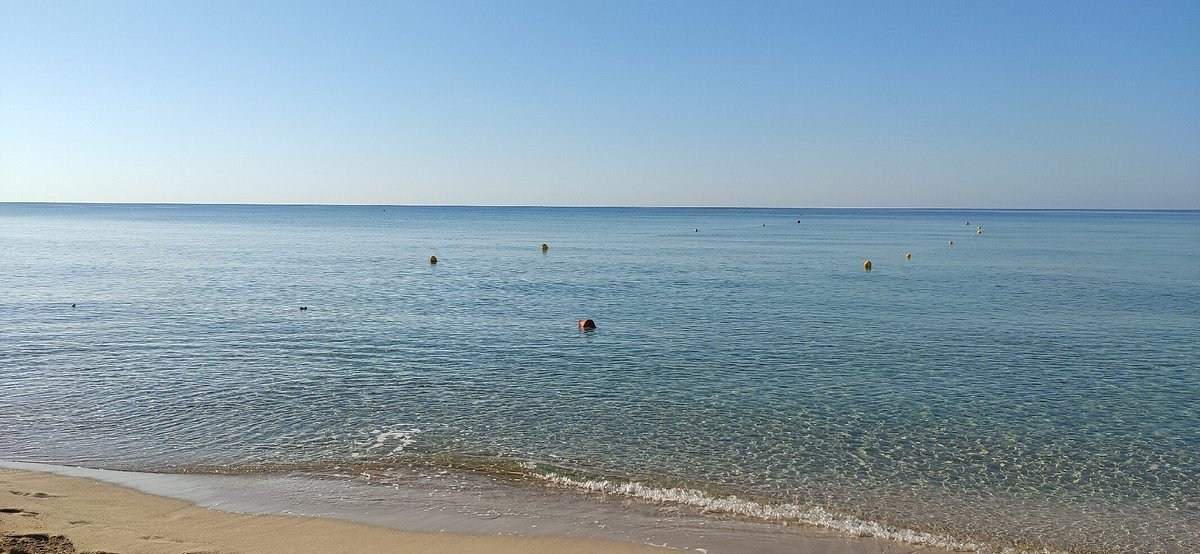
399, 437
783, 512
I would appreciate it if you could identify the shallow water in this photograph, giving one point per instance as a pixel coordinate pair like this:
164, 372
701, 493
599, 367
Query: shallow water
1031, 386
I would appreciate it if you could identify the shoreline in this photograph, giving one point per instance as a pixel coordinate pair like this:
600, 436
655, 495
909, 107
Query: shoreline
295, 513
45, 513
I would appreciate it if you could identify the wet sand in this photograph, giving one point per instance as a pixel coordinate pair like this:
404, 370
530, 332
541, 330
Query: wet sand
51, 514
60, 509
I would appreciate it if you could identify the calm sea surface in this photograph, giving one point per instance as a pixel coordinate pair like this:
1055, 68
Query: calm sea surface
1033, 386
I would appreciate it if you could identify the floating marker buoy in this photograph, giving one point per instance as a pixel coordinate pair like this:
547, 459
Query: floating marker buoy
432, 260
545, 247
968, 223
696, 230
951, 243
908, 255
764, 224
978, 231
304, 308
586, 324
867, 265
72, 305
797, 221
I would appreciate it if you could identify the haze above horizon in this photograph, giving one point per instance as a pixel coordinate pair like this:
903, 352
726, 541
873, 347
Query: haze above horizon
870, 104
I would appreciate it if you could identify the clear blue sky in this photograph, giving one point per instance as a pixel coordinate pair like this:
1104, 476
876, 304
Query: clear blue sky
917, 103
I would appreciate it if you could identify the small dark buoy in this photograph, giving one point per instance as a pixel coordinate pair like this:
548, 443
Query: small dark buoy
433, 260
764, 224
968, 223
867, 265
304, 308
908, 255
696, 230
545, 247
72, 305
951, 243
586, 324
797, 221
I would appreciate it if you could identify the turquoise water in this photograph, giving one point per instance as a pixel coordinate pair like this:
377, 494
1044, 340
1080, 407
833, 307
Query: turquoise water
1033, 386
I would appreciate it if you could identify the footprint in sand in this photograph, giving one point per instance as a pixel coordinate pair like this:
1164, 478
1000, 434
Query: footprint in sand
25, 513
160, 539
34, 494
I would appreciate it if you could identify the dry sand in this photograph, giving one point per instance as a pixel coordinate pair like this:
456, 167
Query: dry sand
42, 513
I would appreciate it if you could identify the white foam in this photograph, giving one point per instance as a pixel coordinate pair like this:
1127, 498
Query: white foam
782, 512
397, 437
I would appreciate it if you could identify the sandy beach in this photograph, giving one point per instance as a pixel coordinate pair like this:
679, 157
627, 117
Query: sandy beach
63, 509
42, 513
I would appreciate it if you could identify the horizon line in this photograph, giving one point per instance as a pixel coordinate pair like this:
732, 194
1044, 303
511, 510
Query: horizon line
600, 206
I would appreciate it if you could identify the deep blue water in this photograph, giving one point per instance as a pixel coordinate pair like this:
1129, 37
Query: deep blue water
1034, 385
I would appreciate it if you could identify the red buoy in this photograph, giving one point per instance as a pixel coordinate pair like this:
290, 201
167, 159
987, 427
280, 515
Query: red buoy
586, 324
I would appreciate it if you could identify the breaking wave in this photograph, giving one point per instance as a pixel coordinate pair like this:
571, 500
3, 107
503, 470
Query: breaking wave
779, 513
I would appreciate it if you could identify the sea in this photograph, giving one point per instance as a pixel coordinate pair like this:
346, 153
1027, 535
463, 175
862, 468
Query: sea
999, 380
